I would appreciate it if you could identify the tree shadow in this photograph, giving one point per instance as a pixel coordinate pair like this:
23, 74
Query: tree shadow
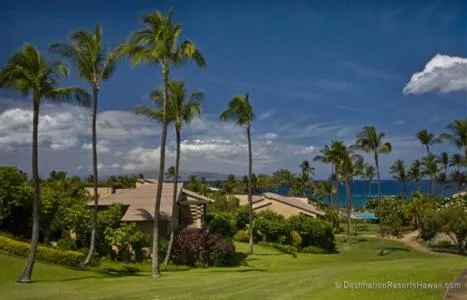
390, 250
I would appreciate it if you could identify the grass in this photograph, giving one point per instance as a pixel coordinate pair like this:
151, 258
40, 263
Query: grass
268, 274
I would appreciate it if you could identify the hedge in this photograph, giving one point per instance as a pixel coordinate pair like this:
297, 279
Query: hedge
45, 254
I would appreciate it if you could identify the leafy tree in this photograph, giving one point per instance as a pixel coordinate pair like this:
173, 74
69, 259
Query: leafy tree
241, 111
427, 139
282, 177
158, 43
457, 134
399, 173
87, 52
127, 238
454, 220
419, 207
13, 191
370, 141
28, 72
391, 211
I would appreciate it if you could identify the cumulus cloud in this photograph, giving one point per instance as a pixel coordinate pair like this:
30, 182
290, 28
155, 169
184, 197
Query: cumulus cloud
306, 150
101, 146
269, 136
443, 72
399, 122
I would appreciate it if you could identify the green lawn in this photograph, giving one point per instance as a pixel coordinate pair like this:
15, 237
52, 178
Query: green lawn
267, 275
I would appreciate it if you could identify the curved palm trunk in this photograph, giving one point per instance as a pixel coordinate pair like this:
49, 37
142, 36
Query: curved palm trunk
250, 200
160, 180
175, 216
427, 149
92, 245
25, 276
348, 194
381, 251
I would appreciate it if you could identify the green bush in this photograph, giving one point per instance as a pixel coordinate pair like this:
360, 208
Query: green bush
314, 232
314, 250
295, 239
222, 224
270, 226
46, 254
443, 244
241, 236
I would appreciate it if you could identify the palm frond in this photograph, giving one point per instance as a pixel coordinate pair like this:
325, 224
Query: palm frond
150, 113
70, 95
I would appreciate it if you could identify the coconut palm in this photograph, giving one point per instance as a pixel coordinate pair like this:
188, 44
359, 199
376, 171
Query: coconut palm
427, 139
443, 159
240, 110
181, 109
86, 51
398, 170
158, 43
370, 141
307, 173
348, 166
325, 189
457, 134
457, 161
28, 72
415, 173
369, 173
430, 168
459, 178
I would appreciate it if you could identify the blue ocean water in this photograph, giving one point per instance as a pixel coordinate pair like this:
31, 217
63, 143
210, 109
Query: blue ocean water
362, 191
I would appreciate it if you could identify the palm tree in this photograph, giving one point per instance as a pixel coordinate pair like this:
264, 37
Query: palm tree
430, 168
369, 173
181, 109
457, 161
307, 173
325, 189
427, 139
459, 178
399, 173
444, 161
28, 72
348, 166
86, 51
158, 43
241, 111
370, 141
457, 134
415, 173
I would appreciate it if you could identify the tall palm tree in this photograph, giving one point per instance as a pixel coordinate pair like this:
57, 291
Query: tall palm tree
369, 173
325, 189
181, 109
307, 173
430, 168
459, 178
241, 111
158, 43
28, 72
427, 139
399, 172
348, 166
370, 141
86, 51
442, 177
457, 161
457, 134
415, 173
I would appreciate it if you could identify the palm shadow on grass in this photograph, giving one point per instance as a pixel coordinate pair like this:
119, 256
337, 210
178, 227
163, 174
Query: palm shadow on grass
390, 250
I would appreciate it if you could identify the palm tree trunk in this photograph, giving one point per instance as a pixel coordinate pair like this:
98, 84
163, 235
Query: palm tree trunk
432, 184
349, 203
381, 251
160, 180
175, 216
92, 245
250, 200
427, 149
369, 187
25, 276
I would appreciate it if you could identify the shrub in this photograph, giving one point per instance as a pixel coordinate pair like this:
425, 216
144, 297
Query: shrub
314, 232
241, 236
314, 250
295, 239
241, 217
443, 244
193, 246
46, 254
270, 226
221, 224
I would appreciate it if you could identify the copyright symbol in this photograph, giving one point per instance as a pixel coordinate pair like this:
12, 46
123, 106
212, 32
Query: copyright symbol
337, 284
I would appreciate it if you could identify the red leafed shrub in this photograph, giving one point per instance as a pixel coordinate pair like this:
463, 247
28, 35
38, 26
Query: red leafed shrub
193, 246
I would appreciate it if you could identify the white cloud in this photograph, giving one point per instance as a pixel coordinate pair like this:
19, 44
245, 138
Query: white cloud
269, 136
101, 147
266, 115
399, 122
306, 150
444, 73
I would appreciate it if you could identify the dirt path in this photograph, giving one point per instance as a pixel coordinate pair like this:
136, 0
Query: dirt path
458, 293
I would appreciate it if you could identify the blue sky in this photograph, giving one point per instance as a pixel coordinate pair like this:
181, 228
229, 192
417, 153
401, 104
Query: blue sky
315, 71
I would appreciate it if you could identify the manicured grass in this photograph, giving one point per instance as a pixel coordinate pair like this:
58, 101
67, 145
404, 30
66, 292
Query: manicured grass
268, 274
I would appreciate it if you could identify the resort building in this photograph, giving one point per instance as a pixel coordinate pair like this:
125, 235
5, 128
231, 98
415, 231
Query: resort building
285, 206
190, 208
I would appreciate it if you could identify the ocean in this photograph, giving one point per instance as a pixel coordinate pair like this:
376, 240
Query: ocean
361, 191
